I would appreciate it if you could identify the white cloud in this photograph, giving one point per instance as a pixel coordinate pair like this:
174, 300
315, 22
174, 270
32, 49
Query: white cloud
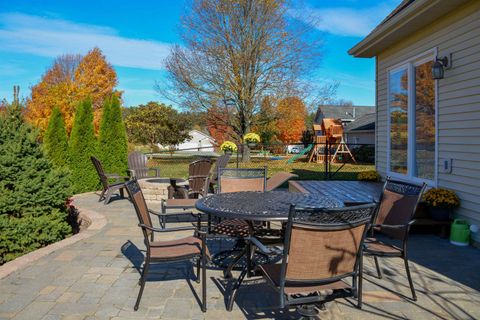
52, 37
356, 22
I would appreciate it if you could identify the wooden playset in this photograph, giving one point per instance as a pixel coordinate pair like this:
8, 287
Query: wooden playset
329, 134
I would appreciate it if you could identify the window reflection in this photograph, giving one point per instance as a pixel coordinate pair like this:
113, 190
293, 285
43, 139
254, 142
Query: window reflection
398, 102
424, 122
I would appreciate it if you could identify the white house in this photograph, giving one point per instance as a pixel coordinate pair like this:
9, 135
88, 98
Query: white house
198, 141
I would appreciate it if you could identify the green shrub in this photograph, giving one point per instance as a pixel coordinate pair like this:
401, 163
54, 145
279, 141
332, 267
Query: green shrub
32, 192
364, 154
19, 236
113, 138
370, 175
81, 147
55, 141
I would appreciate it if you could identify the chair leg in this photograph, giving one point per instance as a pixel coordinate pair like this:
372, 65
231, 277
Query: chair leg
228, 272
108, 196
204, 284
409, 276
360, 284
163, 221
101, 195
142, 284
198, 270
122, 194
377, 265
233, 295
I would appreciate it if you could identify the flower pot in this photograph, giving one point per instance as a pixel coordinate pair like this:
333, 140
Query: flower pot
251, 145
440, 213
228, 152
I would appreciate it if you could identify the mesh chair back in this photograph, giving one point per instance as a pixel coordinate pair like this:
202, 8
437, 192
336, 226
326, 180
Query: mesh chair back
137, 161
244, 179
398, 204
324, 245
136, 196
198, 176
221, 163
101, 173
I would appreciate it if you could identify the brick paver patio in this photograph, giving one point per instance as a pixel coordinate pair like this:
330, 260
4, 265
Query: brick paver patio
97, 278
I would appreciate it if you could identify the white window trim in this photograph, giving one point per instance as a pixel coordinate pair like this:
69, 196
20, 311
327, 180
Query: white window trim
409, 65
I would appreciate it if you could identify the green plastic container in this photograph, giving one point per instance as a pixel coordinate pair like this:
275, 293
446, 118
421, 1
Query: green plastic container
460, 233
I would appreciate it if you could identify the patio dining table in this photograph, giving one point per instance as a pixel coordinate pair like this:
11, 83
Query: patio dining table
261, 206
258, 207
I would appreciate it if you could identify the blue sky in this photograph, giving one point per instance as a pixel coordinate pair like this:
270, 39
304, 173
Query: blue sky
136, 36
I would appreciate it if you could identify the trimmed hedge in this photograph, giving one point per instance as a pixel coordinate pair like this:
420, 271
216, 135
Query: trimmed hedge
55, 141
112, 141
81, 147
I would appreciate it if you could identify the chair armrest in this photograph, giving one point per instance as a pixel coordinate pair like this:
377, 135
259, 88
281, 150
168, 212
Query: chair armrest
159, 214
157, 171
264, 249
141, 225
393, 226
116, 176
131, 173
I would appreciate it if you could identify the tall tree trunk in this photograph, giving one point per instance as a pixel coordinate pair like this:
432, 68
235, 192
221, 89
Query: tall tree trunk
245, 151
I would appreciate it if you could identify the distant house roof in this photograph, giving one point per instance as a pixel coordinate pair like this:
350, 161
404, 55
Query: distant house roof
365, 122
204, 135
345, 113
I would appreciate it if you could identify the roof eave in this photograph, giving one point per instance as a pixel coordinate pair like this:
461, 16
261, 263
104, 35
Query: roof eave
410, 19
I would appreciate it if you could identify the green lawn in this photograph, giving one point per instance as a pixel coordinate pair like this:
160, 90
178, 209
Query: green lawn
178, 167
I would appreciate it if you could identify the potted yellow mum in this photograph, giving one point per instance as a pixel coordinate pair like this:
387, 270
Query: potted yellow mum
228, 147
370, 175
251, 139
441, 203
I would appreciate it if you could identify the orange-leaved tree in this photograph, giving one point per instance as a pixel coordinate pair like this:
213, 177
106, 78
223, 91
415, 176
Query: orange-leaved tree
56, 88
95, 78
291, 122
71, 79
216, 119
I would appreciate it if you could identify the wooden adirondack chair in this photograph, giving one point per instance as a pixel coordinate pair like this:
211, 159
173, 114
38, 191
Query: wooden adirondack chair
108, 188
137, 166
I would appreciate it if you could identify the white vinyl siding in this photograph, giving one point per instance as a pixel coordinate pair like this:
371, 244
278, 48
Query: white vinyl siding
458, 109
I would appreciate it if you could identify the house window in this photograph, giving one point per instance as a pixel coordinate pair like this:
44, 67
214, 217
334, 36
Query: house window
411, 103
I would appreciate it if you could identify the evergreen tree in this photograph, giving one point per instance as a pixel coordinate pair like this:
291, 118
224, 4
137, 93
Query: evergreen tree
81, 147
55, 140
113, 138
32, 192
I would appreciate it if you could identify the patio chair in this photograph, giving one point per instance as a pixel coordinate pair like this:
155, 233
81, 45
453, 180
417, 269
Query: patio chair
198, 180
221, 163
316, 273
182, 198
243, 179
236, 180
394, 218
137, 166
108, 188
168, 251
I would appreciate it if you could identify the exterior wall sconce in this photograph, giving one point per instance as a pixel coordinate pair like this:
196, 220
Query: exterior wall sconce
439, 65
